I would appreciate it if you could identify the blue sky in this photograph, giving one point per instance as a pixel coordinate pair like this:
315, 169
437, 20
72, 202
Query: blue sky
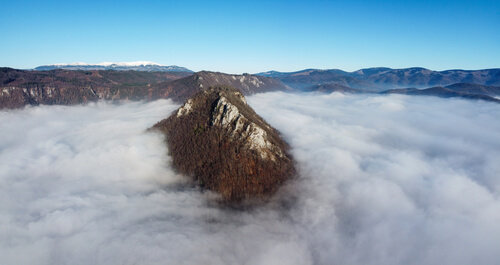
253, 36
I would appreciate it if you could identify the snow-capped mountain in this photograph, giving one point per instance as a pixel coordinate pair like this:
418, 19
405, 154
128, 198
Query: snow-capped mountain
122, 66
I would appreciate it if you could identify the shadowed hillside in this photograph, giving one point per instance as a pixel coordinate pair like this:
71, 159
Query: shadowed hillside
221, 142
66, 87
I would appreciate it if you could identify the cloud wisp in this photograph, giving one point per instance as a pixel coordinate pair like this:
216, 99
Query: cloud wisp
383, 180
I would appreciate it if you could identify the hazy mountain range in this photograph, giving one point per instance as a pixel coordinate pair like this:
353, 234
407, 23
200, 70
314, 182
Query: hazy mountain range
462, 90
380, 79
125, 66
80, 82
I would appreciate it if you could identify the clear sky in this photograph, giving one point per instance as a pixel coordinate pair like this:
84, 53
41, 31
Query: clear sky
253, 36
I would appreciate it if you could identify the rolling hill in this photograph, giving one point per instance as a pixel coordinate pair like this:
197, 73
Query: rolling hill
380, 78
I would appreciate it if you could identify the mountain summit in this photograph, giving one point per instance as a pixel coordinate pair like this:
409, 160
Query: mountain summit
181, 89
221, 142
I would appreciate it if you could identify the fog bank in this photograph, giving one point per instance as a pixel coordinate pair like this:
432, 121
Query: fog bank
383, 180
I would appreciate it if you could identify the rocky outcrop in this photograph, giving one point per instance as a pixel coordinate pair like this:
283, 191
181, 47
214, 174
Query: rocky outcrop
180, 90
218, 140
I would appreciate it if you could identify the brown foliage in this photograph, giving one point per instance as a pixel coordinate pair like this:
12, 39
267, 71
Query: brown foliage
218, 160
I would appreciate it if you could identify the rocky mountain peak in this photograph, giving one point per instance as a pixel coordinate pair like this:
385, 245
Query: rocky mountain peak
182, 89
219, 140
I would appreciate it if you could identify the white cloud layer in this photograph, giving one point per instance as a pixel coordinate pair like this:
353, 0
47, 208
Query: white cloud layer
383, 180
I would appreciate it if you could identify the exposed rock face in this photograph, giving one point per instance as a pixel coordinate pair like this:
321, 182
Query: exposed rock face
216, 138
66, 87
180, 90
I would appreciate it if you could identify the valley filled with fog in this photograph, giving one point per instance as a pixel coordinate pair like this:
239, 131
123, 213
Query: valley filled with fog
383, 179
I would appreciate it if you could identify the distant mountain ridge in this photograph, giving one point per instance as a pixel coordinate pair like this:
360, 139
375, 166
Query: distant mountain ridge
452, 91
67, 87
330, 88
382, 78
460, 90
122, 66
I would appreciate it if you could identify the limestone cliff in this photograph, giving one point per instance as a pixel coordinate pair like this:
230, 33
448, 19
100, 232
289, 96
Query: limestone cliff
217, 139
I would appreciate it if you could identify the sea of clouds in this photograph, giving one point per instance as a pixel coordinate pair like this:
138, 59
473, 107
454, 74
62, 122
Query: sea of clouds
383, 180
